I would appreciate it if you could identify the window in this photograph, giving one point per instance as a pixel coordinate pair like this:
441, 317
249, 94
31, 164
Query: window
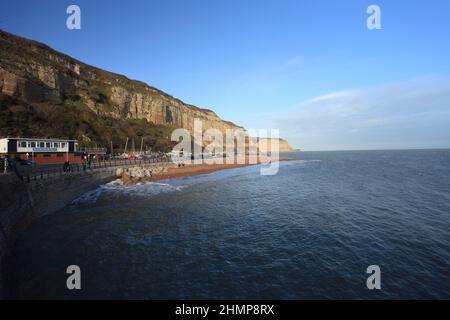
33, 144
48, 145
41, 144
23, 144
56, 145
63, 145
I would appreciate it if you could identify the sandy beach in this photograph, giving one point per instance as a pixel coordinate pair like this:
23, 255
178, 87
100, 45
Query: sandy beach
198, 169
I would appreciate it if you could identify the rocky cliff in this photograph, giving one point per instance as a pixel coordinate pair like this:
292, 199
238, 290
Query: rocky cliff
69, 98
265, 145
33, 72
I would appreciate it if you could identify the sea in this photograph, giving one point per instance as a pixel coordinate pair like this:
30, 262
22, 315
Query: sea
311, 231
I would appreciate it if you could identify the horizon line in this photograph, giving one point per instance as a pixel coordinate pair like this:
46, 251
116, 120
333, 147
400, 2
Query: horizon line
392, 149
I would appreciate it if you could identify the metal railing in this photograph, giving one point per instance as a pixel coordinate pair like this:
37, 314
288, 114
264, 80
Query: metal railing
93, 150
81, 168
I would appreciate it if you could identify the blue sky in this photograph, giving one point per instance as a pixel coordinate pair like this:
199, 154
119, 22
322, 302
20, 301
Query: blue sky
309, 68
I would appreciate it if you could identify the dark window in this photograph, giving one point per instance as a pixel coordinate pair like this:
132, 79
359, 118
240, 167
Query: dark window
48, 145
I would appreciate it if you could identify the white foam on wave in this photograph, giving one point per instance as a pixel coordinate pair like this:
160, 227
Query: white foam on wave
153, 188
117, 187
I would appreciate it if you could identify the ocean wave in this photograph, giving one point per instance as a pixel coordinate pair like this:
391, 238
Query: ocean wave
117, 187
163, 186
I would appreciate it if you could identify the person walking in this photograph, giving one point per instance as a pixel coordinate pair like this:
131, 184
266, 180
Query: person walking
84, 163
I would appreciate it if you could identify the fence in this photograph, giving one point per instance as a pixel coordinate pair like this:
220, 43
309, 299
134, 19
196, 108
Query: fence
86, 168
92, 150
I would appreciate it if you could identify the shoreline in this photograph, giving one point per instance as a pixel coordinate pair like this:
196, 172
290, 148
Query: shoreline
200, 169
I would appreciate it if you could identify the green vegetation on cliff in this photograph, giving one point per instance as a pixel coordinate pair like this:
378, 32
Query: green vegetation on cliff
71, 119
44, 93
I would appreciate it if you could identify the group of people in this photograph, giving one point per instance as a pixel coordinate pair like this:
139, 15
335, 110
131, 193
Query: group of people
87, 160
86, 163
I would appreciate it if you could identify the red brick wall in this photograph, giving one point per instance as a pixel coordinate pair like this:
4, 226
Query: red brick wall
52, 158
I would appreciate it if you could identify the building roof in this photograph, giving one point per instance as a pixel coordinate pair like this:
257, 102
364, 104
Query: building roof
39, 139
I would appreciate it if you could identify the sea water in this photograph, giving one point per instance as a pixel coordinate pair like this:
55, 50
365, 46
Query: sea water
308, 232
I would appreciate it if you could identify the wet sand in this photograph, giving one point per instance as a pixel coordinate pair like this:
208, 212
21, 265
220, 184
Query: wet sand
198, 169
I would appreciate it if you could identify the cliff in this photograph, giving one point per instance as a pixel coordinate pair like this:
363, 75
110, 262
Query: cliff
46, 93
34, 76
265, 145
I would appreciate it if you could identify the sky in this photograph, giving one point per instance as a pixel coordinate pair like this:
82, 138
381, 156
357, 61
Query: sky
311, 69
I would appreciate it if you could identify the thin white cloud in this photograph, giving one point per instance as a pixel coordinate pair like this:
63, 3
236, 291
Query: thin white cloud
410, 114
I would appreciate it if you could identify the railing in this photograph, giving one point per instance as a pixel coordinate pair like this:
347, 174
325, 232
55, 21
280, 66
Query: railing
80, 168
92, 150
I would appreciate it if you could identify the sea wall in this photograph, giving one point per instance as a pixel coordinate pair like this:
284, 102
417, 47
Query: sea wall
14, 204
21, 203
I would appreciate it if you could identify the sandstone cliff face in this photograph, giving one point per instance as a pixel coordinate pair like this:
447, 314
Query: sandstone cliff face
266, 145
34, 73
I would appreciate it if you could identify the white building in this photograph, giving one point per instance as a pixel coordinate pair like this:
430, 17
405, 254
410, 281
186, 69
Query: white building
40, 150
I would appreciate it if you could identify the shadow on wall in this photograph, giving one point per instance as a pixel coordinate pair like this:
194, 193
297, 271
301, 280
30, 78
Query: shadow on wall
22, 203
